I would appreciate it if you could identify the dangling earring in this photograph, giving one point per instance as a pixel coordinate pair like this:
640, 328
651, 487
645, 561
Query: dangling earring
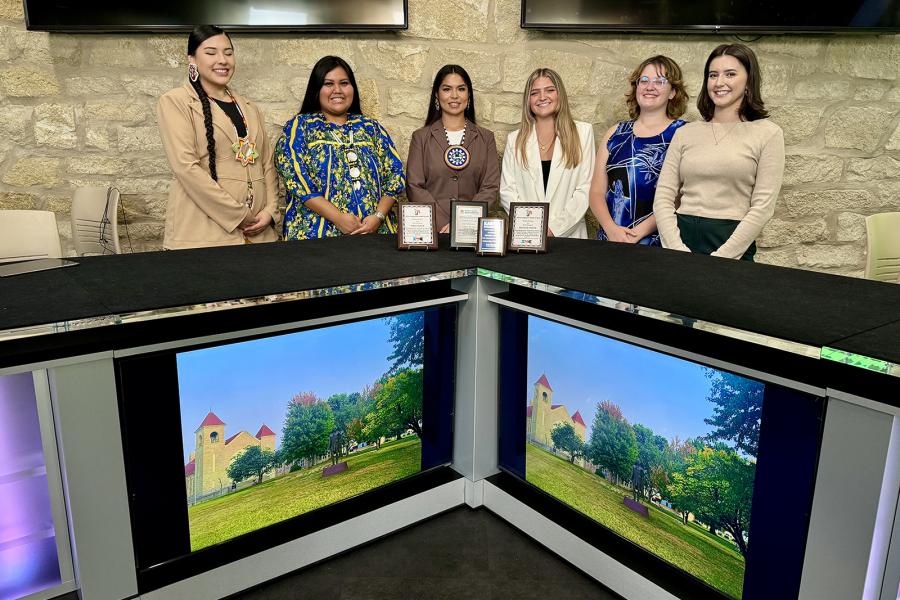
437, 105
193, 73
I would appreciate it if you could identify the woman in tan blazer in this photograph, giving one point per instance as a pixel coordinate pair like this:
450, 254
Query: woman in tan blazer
472, 173
225, 191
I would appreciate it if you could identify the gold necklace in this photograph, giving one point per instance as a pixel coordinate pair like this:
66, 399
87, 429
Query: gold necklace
544, 147
717, 138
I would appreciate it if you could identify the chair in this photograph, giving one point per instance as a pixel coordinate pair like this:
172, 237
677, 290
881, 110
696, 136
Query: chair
95, 222
883, 246
28, 234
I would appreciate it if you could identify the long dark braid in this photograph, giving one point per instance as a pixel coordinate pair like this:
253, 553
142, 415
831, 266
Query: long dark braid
200, 34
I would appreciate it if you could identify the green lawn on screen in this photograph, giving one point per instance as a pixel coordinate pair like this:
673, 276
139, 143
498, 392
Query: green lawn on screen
299, 492
689, 547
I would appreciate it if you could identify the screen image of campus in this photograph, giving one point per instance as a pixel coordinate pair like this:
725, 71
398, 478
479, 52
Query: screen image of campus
660, 450
276, 427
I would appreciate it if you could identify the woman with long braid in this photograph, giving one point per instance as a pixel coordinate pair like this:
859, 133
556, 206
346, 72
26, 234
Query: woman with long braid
225, 188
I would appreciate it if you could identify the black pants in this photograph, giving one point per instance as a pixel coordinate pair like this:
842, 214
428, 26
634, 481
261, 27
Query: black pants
704, 235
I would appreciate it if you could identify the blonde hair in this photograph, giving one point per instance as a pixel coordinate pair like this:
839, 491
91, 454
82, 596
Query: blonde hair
569, 139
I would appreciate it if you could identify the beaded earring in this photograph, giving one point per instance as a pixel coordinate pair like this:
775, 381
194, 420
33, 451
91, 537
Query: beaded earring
193, 72
437, 105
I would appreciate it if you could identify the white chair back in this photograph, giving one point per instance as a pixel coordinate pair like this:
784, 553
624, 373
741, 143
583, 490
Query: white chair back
28, 234
95, 223
883, 246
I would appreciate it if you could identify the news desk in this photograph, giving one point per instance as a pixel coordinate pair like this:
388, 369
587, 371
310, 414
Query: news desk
833, 336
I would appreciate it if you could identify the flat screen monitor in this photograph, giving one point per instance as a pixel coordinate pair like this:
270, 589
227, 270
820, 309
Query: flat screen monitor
677, 458
774, 16
244, 15
235, 447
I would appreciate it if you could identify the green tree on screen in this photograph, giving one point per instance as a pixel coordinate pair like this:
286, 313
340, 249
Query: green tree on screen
565, 439
613, 445
252, 462
398, 403
737, 410
307, 427
407, 334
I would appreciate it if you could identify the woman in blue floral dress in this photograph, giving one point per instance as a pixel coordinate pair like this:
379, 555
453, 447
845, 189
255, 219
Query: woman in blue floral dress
341, 170
632, 153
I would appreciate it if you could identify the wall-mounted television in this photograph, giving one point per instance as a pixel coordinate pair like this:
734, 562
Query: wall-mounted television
233, 15
235, 447
698, 478
765, 16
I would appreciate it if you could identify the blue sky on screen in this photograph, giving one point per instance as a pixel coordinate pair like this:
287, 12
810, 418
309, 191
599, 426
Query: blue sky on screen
250, 383
661, 392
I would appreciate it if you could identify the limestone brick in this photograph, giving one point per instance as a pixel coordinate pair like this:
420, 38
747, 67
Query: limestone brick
143, 186
870, 169
40, 47
17, 201
54, 126
33, 171
780, 257
888, 195
401, 132
893, 142
874, 57
156, 206
827, 256
608, 79
11, 10
860, 127
482, 67
571, 67
395, 61
802, 168
806, 203
152, 85
146, 231
169, 50
790, 45
90, 164
869, 91
28, 82
508, 112
799, 122
506, 22
849, 227
781, 233
822, 89
775, 79
139, 139
893, 94
408, 101
97, 138
118, 51
16, 123
464, 20
264, 89
250, 53
306, 51
369, 100
91, 87
150, 166
297, 85
127, 110
61, 205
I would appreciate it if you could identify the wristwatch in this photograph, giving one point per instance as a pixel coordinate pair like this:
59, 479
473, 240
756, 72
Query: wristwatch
381, 216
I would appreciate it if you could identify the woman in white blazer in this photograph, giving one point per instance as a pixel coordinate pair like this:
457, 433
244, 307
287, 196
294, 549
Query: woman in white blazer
550, 158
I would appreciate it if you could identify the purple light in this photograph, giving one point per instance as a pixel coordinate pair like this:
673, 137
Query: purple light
28, 558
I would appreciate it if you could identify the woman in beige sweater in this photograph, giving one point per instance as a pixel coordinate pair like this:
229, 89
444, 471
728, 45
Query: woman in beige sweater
722, 175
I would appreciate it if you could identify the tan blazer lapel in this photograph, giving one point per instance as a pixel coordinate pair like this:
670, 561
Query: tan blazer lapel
556, 169
437, 132
219, 118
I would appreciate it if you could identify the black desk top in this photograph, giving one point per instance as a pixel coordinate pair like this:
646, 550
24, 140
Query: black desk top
808, 308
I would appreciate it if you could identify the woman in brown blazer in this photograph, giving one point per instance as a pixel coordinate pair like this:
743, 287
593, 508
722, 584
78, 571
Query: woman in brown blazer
437, 170
225, 189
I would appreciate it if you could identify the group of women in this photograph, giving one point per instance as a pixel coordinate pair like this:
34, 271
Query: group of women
707, 186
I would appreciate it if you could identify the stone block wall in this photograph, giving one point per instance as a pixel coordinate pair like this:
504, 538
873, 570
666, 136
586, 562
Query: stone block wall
79, 109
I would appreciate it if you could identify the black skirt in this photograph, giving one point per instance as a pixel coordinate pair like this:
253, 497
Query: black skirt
705, 235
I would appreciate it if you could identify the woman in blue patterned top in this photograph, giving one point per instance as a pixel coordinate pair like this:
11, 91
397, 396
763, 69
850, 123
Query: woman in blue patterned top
632, 153
341, 169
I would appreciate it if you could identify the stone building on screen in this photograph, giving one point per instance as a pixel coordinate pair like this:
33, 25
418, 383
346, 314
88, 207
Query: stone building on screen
543, 415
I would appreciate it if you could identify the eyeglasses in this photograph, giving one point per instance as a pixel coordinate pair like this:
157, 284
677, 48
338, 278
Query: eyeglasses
644, 81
